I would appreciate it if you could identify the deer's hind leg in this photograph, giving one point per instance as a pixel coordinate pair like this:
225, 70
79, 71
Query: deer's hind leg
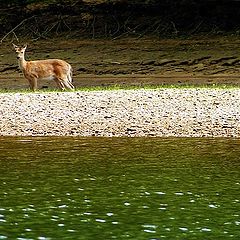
59, 83
67, 84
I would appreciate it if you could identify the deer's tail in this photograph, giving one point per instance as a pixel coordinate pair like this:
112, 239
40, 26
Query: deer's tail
70, 74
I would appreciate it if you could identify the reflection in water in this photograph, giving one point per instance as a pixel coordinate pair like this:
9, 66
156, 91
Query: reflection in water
119, 188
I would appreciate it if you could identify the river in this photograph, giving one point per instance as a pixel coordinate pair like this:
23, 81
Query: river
119, 188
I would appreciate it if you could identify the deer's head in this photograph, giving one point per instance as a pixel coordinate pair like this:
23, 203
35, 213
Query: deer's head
20, 51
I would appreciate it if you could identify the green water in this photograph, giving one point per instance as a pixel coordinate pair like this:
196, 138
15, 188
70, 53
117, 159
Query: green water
119, 188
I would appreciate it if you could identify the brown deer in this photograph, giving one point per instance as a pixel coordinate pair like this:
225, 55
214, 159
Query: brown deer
49, 69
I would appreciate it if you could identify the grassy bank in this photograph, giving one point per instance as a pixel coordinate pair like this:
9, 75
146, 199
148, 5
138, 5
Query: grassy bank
120, 87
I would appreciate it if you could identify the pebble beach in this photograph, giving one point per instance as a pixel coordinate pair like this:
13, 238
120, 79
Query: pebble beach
163, 112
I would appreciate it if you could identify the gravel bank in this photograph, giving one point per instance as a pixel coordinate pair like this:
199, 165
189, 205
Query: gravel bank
161, 112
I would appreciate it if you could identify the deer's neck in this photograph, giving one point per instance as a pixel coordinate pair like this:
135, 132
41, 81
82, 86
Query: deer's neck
22, 63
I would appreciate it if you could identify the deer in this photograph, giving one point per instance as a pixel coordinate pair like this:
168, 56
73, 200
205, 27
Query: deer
48, 69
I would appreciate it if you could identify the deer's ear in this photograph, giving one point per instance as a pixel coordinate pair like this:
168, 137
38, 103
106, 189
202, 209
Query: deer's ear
15, 46
25, 46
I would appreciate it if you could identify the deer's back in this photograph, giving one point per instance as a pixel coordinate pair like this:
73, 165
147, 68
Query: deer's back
47, 68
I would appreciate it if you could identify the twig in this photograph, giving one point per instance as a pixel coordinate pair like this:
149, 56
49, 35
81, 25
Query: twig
148, 28
23, 21
126, 33
15, 36
118, 26
174, 27
93, 27
196, 28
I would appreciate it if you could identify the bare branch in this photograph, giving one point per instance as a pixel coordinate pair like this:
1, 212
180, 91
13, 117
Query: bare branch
12, 31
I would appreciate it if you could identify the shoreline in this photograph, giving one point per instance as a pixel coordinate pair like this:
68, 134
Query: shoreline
166, 112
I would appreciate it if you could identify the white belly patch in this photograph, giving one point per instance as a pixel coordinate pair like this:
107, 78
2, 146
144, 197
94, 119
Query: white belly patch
49, 78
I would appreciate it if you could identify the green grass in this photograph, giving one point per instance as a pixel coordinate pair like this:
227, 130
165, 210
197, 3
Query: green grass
152, 87
130, 87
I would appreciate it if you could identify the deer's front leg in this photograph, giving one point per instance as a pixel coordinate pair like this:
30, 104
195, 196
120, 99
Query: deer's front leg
33, 84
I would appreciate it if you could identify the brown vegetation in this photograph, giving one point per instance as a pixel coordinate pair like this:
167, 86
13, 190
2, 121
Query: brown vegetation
118, 18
